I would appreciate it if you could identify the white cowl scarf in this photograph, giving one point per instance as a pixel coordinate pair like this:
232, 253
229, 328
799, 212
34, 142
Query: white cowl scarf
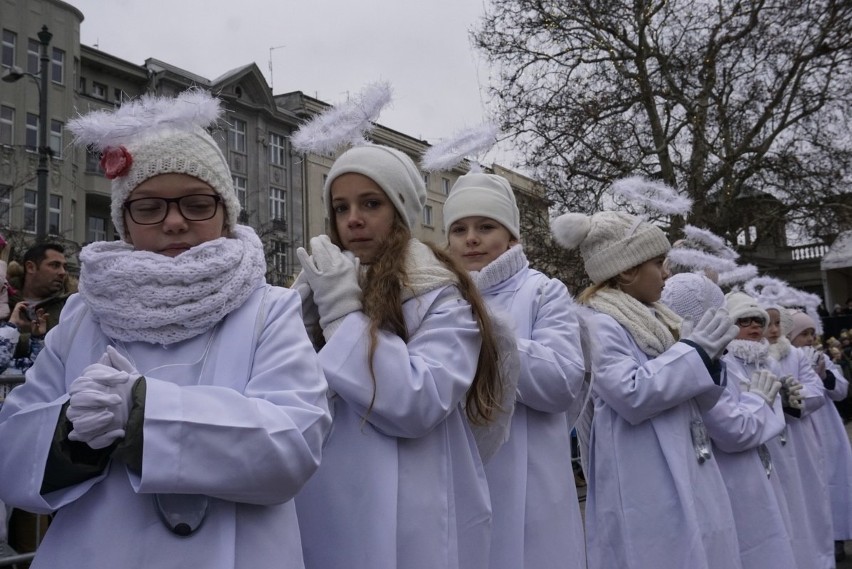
148, 297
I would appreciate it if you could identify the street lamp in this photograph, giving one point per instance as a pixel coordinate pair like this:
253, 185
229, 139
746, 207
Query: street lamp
12, 75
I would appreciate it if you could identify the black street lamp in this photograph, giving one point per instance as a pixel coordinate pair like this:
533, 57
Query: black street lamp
12, 75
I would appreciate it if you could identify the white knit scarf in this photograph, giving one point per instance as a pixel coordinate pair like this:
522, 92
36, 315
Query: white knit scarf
750, 351
501, 269
423, 271
651, 326
148, 297
780, 349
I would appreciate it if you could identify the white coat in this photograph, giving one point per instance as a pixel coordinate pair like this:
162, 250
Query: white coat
537, 522
803, 442
650, 504
401, 485
837, 454
739, 423
236, 417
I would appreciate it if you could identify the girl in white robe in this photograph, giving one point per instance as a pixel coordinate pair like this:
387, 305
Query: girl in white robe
537, 521
178, 406
656, 498
406, 347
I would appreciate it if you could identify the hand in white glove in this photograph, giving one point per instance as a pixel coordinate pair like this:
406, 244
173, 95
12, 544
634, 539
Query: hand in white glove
816, 360
713, 332
333, 276
791, 393
765, 384
101, 400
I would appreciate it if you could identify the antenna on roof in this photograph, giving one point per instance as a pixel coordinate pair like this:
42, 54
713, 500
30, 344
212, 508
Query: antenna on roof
271, 81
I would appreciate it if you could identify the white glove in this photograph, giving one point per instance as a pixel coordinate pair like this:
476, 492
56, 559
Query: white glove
765, 384
713, 332
101, 400
333, 276
816, 360
791, 393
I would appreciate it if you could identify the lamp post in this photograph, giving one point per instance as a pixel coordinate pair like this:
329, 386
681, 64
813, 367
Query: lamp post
14, 74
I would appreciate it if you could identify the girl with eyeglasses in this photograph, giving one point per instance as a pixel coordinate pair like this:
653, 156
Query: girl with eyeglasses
179, 405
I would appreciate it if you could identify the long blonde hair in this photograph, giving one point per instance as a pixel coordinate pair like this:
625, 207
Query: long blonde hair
382, 303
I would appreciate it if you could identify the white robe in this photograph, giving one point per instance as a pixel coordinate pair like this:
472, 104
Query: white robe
401, 485
739, 423
238, 418
837, 454
650, 504
802, 441
537, 522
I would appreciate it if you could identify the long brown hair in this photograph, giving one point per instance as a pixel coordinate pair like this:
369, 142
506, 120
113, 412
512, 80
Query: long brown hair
382, 303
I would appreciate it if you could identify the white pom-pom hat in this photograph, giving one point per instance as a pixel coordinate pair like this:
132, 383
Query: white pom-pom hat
486, 195
691, 295
741, 305
610, 242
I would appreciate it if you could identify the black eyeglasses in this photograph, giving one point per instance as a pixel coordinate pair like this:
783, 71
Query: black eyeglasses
749, 320
193, 207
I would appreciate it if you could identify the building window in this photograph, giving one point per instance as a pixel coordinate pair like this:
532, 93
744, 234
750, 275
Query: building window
276, 149
277, 204
93, 161
99, 90
32, 141
54, 215
279, 257
10, 39
237, 136
7, 125
57, 66
30, 210
5, 205
427, 216
97, 229
240, 188
33, 56
426, 178
119, 96
56, 138
445, 186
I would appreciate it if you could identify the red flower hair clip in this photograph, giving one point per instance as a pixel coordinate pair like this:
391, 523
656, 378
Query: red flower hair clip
116, 161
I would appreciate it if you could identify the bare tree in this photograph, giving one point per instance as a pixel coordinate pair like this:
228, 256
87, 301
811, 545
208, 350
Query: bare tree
723, 100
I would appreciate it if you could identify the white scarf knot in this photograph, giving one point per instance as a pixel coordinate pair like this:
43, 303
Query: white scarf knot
750, 351
148, 297
652, 327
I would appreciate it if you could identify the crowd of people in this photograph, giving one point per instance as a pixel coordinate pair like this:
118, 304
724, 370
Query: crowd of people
405, 404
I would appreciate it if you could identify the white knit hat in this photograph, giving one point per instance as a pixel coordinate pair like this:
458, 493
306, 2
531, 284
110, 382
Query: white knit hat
691, 295
486, 195
159, 135
800, 322
610, 241
741, 305
392, 170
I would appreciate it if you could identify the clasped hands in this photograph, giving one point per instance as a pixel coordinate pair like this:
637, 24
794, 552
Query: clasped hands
333, 277
713, 332
101, 399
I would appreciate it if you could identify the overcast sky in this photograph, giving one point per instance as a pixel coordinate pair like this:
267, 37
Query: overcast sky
325, 48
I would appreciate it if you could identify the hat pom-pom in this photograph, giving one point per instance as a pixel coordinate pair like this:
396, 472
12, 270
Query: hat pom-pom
570, 229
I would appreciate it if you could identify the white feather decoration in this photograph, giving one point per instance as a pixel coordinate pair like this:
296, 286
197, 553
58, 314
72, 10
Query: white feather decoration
343, 125
146, 116
465, 143
738, 275
699, 260
769, 290
651, 195
709, 241
570, 229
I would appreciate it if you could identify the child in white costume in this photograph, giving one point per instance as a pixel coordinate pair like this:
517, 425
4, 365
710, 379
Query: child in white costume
740, 423
537, 521
401, 484
179, 405
656, 498
796, 372
833, 439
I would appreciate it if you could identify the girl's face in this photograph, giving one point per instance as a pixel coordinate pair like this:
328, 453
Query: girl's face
645, 282
174, 234
363, 215
750, 328
773, 331
476, 241
805, 338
